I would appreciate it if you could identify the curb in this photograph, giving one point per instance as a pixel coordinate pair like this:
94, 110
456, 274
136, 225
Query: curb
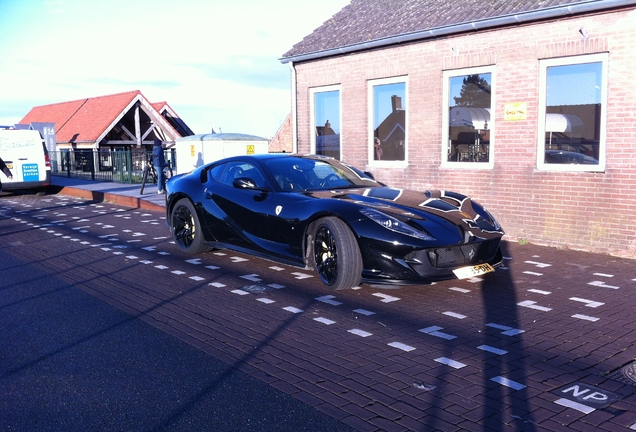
124, 200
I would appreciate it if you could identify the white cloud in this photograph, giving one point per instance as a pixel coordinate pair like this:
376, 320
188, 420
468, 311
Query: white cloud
215, 62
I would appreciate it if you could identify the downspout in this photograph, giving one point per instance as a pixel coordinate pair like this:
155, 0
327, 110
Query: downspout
294, 107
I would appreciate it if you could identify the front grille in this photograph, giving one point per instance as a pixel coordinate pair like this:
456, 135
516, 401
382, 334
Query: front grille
466, 254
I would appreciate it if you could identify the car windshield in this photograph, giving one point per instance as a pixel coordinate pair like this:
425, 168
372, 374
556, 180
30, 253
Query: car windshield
301, 174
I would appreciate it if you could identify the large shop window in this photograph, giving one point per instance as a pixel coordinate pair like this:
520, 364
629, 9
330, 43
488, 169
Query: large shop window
572, 103
326, 121
467, 120
387, 107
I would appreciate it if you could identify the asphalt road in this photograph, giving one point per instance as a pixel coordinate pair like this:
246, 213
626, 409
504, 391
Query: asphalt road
110, 327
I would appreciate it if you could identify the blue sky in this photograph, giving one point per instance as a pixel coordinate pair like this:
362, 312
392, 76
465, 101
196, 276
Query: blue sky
214, 61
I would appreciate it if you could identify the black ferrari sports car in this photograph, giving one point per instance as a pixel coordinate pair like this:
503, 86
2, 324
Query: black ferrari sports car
317, 212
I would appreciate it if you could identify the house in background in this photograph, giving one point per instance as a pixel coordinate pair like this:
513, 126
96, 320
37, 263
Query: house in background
120, 121
527, 106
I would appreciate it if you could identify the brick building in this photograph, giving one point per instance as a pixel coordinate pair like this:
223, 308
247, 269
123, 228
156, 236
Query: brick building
527, 106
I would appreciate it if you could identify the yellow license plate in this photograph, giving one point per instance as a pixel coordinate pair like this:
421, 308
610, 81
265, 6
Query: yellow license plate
468, 272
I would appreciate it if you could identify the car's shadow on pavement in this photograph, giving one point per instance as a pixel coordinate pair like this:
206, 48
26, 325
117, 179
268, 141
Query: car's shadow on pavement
504, 373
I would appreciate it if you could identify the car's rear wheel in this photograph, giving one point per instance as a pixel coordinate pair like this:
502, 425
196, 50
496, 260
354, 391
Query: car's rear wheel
335, 254
186, 228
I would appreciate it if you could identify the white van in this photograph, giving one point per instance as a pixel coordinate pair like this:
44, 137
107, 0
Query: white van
26, 156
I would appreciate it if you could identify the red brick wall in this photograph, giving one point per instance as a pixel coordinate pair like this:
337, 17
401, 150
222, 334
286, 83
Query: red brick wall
588, 211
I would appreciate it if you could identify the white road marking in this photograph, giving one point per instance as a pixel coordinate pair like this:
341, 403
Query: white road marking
324, 320
217, 284
589, 303
212, 267
574, 405
161, 267
132, 257
276, 286
433, 331
292, 309
360, 333
492, 349
178, 272
386, 298
508, 383
536, 291
265, 300
533, 273
452, 363
364, 312
194, 261
400, 345
508, 331
328, 299
237, 259
585, 317
604, 275
301, 275
461, 290
602, 285
197, 278
276, 268
538, 264
532, 305
454, 315
240, 292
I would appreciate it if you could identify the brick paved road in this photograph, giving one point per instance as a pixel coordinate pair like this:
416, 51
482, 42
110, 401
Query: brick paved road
538, 345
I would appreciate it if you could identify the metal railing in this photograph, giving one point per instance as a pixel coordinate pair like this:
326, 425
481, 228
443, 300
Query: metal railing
122, 166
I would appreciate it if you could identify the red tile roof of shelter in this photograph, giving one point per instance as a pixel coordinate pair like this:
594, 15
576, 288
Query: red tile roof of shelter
83, 120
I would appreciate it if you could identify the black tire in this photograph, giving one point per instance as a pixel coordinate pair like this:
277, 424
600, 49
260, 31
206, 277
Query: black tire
144, 179
335, 254
186, 228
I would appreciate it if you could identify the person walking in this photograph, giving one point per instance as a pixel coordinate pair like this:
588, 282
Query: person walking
159, 162
5, 169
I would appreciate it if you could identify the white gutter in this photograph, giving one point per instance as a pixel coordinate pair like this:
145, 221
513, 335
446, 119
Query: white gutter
543, 14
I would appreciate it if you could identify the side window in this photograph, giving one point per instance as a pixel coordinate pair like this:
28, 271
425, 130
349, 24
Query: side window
325, 116
572, 105
216, 173
388, 129
467, 119
228, 172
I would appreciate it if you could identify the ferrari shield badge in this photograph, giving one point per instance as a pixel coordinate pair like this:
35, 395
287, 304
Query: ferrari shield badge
278, 210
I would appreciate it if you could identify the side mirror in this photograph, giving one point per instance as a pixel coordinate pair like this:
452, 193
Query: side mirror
247, 183
369, 174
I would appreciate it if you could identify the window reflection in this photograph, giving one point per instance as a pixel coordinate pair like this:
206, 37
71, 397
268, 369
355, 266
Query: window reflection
327, 121
389, 122
469, 118
573, 114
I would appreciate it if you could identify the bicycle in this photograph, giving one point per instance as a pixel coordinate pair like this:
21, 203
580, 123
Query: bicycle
149, 171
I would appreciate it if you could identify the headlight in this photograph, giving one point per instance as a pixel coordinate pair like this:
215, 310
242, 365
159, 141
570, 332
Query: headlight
394, 224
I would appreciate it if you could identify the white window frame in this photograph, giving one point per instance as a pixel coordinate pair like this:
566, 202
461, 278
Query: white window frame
447, 75
370, 111
602, 58
312, 112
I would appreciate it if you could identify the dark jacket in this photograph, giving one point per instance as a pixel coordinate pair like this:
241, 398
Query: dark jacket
5, 169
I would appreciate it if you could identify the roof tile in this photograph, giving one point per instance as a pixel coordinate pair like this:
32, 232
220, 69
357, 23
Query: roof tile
370, 20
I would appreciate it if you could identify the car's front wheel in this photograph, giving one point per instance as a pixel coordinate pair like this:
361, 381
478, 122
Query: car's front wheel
335, 254
186, 228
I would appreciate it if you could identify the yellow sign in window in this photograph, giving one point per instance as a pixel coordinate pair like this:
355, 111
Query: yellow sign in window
191, 150
250, 149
